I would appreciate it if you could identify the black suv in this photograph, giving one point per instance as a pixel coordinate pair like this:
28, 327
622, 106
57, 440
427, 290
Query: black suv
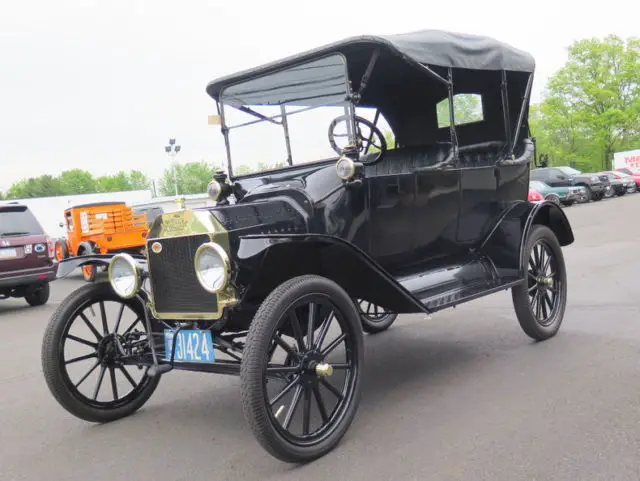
595, 184
26, 255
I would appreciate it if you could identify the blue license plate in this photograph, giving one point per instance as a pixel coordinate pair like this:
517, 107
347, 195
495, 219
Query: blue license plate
190, 345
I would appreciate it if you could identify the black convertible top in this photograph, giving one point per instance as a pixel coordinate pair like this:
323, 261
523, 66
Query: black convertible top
425, 47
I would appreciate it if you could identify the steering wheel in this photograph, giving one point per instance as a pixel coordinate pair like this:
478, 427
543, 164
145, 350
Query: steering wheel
362, 143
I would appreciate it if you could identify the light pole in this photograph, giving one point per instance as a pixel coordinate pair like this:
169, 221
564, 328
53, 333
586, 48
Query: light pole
172, 149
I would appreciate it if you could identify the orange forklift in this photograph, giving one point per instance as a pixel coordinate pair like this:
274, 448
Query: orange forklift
101, 228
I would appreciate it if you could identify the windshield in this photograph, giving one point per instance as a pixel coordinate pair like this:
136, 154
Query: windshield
291, 116
18, 221
569, 170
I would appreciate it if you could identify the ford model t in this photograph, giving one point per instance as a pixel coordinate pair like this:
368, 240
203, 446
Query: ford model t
278, 282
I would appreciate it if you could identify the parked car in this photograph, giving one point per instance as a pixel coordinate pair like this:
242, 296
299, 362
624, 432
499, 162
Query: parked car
563, 176
617, 185
26, 255
101, 228
534, 196
634, 175
268, 283
559, 195
626, 182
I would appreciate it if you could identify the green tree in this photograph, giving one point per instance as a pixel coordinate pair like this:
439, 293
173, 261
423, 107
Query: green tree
42, 186
591, 106
138, 180
113, 183
466, 108
77, 181
192, 177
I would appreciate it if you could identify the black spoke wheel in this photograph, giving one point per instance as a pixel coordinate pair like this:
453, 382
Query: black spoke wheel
87, 355
300, 404
541, 299
374, 318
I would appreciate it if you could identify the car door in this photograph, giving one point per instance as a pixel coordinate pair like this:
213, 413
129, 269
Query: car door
392, 193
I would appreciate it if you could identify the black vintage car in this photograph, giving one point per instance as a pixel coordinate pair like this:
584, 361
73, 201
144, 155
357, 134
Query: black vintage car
279, 280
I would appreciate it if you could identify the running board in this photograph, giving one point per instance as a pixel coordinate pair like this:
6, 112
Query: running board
455, 284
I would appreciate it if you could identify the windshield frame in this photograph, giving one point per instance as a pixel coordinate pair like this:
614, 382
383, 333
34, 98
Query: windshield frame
348, 104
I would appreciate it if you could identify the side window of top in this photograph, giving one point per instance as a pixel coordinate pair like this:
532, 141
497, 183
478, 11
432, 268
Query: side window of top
467, 108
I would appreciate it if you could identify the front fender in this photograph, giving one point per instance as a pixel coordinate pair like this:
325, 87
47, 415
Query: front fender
70, 264
266, 261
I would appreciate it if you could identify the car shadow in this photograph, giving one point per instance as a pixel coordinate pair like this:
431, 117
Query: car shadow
395, 362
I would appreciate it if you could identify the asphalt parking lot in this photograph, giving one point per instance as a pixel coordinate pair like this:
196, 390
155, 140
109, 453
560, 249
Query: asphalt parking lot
462, 396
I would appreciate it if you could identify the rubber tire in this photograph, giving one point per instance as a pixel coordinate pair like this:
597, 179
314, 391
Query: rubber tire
375, 327
553, 198
255, 353
569, 203
519, 294
51, 355
38, 295
63, 247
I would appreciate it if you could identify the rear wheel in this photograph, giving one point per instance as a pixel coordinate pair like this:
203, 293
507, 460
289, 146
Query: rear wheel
374, 318
553, 198
61, 250
38, 295
541, 299
83, 361
300, 405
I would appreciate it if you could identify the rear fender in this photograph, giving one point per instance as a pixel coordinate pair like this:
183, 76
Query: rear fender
505, 244
266, 261
70, 264
550, 215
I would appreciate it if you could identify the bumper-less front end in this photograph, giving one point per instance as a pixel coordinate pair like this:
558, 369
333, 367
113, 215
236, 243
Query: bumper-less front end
188, 275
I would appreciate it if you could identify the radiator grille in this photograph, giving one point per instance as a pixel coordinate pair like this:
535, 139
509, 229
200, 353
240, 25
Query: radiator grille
173, 280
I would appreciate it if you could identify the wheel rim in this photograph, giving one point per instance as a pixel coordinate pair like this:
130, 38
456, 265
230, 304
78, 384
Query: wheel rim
103, 361
304, 378
544, 284
554, 198
372, 312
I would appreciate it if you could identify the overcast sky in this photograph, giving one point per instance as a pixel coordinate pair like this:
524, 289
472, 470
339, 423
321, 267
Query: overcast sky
102, 85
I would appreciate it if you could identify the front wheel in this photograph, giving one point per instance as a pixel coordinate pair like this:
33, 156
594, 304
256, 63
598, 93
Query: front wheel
89, 355
541, 299
300, 374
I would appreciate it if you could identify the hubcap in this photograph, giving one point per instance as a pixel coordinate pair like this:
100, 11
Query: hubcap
543, 283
